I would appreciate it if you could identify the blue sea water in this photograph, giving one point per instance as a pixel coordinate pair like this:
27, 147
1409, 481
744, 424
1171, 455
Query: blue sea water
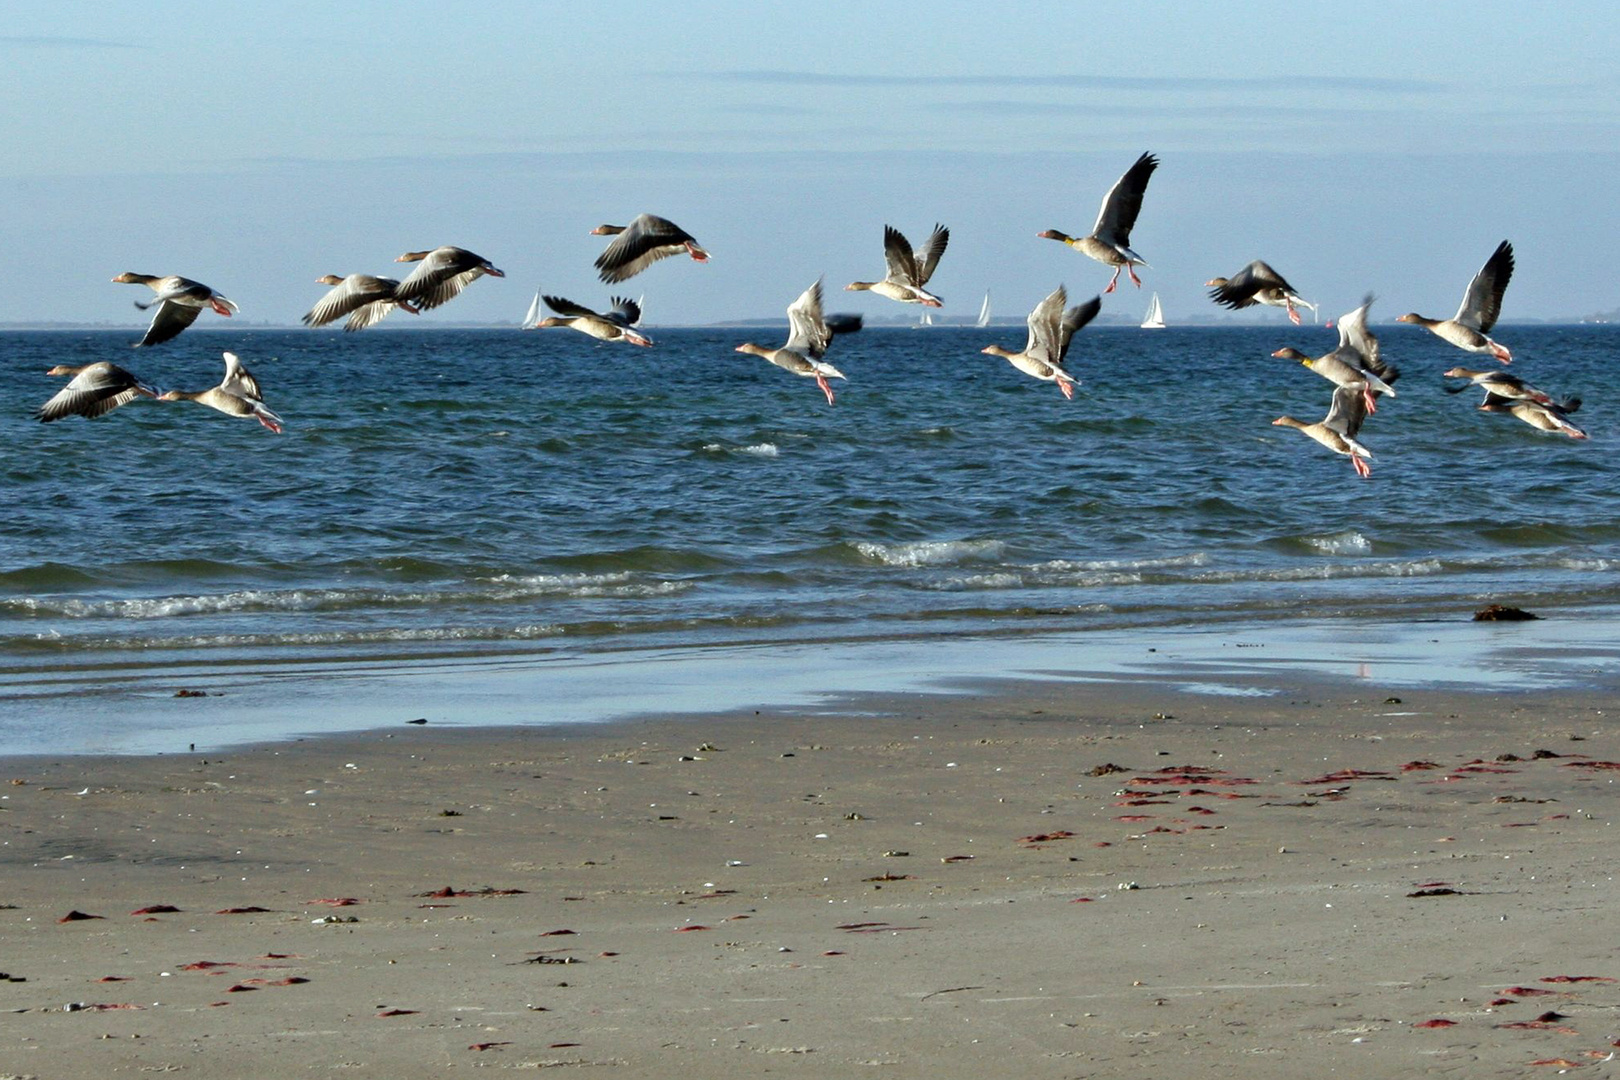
485, 493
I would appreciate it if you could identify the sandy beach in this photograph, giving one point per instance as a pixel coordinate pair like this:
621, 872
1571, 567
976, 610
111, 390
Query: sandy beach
1046, 880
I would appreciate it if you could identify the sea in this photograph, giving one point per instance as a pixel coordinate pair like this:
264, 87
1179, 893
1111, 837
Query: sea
450, 499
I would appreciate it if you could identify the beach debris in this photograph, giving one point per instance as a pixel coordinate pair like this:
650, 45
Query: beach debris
449, 813
1106, 769
1127, 886
396, 1012
1045, 837
896, 854
190, 693
447, 892
689, 929
487, 1046
156, 909
552, 958
240, 988
1444, 891
418, 720
557, 933
956, 858
889, 877
252, 909
1575, 979
1503, 613
337, 901
78, 916
1559, 1061
85, 1006
1528, 991
1436, 1023
6, 976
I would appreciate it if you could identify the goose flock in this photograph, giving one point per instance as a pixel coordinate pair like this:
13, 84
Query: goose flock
1359, 374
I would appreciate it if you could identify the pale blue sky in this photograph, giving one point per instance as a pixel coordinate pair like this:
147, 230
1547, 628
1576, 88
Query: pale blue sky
256, 147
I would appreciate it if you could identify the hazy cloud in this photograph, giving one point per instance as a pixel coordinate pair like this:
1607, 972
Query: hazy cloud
17, 42
1078, 82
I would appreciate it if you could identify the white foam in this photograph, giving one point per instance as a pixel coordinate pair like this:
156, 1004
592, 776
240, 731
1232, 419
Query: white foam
1348, 542
931, 552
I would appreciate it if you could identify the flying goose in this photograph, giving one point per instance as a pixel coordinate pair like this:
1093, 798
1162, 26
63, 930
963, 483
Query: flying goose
1481, 305
617, 325
1110, 239
1337, 431
366, 300
236, 395
441, 275
807, 342
1496, 384
640, 244
1355, 363
907, 272
1258, 283
179, 301
95, 390
1546, 417
1050, 330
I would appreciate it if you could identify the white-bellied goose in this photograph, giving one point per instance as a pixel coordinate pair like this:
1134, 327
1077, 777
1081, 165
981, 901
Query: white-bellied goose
1337, 431
1258, 283
907, 272
640, 244
179, 301
1355, 363
1496, 384
1110, 239
807, 342
365, 299
95, 390
440, 275
236, 395
617, 325
1050, 329
1546, 417
1481, 305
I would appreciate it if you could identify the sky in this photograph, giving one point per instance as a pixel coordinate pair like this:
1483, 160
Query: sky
256, 147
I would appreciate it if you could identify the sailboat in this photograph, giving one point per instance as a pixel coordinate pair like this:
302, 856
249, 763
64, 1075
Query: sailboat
984, 312
532, 319
1154, 319
926, 320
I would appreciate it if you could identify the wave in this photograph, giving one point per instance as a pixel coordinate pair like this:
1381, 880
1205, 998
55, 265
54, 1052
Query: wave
764, 449
501, 588
930, 552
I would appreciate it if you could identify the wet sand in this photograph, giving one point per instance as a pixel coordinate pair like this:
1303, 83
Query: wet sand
1051, 880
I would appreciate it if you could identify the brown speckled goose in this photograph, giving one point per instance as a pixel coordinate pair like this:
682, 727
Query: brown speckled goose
1258, 283
617, 325
440, 275
1355, 363
366, 300
1110, 239
179, 301
641, 243
808, 338
907, 272
1496, 384
1545, 417
1337, 431
1481, 305
1051, 328
236, 395
95, 390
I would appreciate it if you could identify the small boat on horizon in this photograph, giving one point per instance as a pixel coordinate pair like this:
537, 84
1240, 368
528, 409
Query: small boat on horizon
1154, 319
532, 319
984, 312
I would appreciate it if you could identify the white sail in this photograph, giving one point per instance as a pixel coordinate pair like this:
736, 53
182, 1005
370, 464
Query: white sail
532, 319
927, 319
984, 311
1154, 319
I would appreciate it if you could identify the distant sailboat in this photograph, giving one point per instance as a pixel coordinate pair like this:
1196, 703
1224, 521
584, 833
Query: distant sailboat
532, 319
984, 312
927, 319
1154, 319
